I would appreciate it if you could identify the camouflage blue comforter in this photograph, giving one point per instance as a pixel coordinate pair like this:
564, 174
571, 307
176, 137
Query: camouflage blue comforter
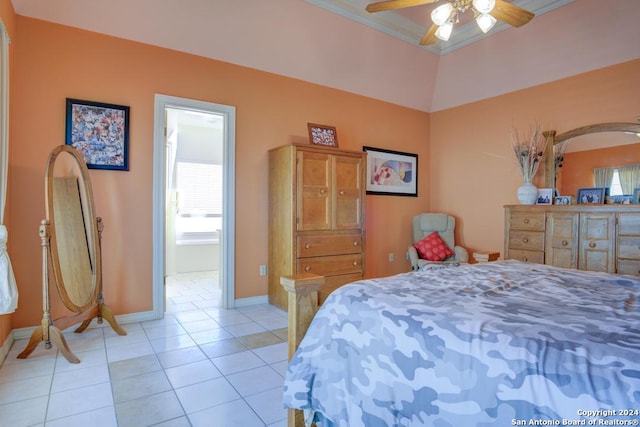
493, 344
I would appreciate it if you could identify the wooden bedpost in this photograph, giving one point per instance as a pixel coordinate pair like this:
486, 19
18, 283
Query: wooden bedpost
303, 304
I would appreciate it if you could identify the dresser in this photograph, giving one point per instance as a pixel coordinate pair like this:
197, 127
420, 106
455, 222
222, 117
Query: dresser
316, 216
585, 237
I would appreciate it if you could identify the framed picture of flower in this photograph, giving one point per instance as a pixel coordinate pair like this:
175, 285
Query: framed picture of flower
323, 135
100, 132
391, 173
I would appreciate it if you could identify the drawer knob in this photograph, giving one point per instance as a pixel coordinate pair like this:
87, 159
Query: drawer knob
355, 263
342, 192
307, 268
565, 243
323, 191
355, 243
525, 259
526, 240
307, 246
526, 220
592, 244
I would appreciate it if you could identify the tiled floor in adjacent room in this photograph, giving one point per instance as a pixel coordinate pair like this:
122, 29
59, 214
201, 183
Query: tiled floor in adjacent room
199, 366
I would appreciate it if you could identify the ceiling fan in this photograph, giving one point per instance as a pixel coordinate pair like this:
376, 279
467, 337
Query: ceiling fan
486, 13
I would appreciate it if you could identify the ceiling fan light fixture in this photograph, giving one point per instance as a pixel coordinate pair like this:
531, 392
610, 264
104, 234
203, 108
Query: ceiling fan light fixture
441, 14
444, 31
484, 6
485, 22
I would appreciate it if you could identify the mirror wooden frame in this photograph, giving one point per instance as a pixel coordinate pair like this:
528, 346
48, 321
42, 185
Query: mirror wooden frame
553, 139
71, 244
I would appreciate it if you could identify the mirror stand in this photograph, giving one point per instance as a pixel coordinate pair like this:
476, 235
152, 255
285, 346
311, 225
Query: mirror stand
50, 330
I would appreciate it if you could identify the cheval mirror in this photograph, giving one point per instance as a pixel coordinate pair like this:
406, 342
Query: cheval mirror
71, 245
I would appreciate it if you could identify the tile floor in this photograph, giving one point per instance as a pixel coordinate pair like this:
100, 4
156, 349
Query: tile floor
199, 366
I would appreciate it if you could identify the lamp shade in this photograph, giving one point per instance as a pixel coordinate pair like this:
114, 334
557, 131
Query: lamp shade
444, 31
484, 6
441, 14
485, 22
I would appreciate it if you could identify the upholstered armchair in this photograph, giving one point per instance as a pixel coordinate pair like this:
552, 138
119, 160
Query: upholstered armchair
438, 247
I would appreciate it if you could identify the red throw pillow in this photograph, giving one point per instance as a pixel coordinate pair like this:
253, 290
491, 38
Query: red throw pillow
433, 248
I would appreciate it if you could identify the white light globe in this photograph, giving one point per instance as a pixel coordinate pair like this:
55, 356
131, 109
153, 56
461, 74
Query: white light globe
441, 14
485, 22
444, 31
484, 6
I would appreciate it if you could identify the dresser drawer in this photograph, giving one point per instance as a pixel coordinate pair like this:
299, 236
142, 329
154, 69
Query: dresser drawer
629, 247
330, 265
627, 266
320, 245
528, 240
530, 221
629, 224
527, 256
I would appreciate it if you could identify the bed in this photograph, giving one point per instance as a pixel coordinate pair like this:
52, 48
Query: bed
491, 344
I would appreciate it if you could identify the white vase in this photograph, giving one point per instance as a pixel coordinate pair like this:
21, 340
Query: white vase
527, 193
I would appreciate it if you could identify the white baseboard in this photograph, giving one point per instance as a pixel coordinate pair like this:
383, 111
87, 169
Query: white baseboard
123, 319
244, 302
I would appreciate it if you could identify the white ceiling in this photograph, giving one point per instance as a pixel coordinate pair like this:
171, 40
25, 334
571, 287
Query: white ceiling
410, 24
336, 43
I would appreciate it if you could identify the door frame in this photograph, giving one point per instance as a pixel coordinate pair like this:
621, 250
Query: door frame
227, 246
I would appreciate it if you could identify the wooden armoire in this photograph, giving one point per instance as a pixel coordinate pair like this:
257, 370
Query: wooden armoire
316, 216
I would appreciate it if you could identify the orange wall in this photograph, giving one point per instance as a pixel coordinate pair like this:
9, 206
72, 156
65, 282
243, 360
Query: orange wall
54, 62
577, 170
473, 173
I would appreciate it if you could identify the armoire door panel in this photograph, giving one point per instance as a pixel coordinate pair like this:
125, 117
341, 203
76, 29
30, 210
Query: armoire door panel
314, 194
348, 191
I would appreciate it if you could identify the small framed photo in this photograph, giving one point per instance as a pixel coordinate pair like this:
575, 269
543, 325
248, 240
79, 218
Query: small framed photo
563, 200
636, 196
323, 135
591, 195
545, 196
391, 173
100, 132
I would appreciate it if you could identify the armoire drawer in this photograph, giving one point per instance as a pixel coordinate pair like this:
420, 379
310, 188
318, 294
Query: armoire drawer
629, 247
530, 221
527, 240
527, 256
333, 244
330, 265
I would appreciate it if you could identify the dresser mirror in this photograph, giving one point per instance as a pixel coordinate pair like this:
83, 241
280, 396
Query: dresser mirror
592, 137
70, 237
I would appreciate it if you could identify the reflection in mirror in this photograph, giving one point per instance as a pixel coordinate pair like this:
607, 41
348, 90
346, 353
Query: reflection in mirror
71, 239
579, 152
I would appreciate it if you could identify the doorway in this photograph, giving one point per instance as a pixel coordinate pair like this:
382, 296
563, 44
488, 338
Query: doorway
193, 221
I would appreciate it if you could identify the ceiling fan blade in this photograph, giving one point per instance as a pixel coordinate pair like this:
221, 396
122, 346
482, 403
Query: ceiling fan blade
430, 36
511, 14
396, 4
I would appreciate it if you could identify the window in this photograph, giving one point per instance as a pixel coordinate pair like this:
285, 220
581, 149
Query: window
199, 187
616, 187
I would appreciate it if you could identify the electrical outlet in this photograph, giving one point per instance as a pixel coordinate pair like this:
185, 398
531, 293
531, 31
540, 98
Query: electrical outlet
263, 270
391, 256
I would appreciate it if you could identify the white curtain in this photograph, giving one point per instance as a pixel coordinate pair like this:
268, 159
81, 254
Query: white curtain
8, 288
603, 176
629, 178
